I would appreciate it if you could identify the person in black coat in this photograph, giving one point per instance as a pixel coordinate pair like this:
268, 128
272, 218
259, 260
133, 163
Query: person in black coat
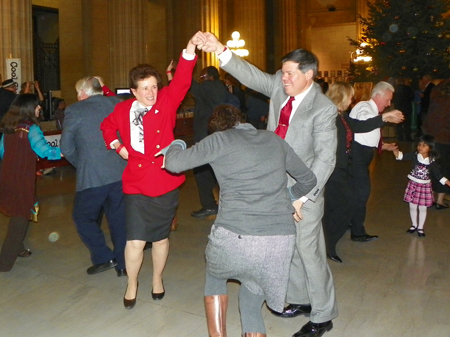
339, 194
209, 92
403, 98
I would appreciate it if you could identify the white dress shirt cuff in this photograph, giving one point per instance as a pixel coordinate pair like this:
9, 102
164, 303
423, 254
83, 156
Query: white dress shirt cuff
225, 57
112, 144
187, 56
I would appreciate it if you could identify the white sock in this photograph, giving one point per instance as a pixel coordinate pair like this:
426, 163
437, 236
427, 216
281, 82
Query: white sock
413, 214
422, 216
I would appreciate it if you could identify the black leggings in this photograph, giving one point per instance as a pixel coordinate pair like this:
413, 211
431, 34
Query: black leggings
13, 243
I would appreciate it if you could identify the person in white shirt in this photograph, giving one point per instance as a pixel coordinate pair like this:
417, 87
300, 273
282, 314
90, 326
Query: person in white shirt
363, 148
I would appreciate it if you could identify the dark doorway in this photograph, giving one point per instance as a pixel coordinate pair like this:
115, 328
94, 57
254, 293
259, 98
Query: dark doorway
46, 47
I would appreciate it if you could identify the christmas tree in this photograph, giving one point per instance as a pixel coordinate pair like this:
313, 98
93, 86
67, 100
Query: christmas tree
405, 38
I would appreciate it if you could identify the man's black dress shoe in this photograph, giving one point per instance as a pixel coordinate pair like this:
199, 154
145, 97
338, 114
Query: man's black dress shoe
158, 296
311, 329
440, 206
204, 213
364, 238
98, 268
334, 258
293, 310
121, 272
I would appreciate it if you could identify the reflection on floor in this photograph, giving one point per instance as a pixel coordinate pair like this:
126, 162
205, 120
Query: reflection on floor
396, 286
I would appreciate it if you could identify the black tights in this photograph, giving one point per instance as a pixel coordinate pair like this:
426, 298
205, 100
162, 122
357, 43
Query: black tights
13, 243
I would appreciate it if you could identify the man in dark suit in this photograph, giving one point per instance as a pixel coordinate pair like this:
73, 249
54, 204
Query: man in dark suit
208, 92
311, 131
99, 176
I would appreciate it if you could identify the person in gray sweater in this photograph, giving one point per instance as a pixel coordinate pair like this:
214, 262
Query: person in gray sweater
252, 239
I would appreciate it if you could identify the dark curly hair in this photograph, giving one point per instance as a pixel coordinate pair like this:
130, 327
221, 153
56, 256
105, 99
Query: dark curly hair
22, 109
141, 72
224, 117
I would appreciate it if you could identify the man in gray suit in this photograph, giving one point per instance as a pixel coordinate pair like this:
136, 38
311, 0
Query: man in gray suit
99, 176
311, 131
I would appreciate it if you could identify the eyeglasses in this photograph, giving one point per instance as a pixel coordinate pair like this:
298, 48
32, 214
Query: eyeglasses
203, 76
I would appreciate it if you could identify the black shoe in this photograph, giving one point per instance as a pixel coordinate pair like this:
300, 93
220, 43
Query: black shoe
334, 258
411, 230
158, 296
364, 238
204, 213
121, 272
129, 304
293, 310
440, 206
25, 253
148, 245
98, 268
420, 233
311, 329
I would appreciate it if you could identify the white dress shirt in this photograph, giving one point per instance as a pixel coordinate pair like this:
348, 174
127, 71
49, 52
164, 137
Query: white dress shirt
362, 111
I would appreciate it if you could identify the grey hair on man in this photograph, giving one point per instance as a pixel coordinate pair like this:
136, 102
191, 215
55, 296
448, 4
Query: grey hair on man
88, 85
381, 88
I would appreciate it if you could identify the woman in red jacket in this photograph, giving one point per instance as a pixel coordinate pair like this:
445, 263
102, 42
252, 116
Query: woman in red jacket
145, 125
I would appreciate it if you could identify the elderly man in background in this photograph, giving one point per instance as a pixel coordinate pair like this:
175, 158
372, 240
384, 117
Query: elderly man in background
363, 149
99, 176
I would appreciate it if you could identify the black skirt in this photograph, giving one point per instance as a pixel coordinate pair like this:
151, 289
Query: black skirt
149, 218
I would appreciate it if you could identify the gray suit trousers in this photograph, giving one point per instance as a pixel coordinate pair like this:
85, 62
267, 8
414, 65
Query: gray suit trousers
310, 279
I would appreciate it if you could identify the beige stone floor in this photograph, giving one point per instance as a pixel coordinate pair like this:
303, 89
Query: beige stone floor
396, 286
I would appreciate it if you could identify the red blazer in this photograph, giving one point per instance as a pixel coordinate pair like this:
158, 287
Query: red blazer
143, 174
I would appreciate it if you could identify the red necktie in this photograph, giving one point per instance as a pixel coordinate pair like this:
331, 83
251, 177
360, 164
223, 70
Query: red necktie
285, 114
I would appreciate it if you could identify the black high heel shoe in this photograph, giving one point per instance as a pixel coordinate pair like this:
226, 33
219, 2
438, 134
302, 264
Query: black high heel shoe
158, 296
129, 304
411, 230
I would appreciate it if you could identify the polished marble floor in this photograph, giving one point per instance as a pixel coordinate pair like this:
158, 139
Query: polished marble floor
396, 286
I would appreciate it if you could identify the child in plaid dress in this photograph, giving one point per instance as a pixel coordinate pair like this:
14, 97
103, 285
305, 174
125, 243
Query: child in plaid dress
418, 193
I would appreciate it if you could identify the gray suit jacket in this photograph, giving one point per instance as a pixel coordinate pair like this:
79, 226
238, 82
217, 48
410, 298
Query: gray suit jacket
83, 146
312, 131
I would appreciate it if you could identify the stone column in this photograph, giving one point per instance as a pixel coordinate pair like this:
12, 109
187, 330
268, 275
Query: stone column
286, 25
210, 23
16, 38
128, 36
249, 21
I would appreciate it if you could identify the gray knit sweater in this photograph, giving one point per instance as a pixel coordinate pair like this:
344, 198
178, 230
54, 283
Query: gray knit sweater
250, 166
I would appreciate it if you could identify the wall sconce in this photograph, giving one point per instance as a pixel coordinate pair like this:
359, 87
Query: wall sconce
360, 55
236, 45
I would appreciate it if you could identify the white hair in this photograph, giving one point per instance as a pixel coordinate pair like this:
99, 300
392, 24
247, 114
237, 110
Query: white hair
90, 85
381, 88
